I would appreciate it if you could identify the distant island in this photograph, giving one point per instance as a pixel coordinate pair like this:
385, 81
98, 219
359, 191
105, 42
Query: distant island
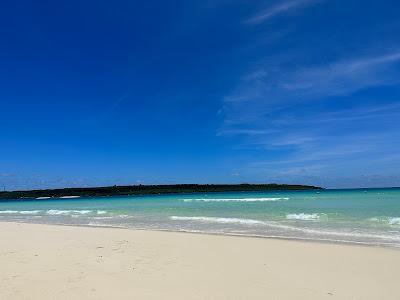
129, 190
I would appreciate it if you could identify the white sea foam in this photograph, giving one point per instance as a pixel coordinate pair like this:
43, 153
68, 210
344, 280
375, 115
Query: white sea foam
235, 199
68, 212
125, 217
303, 217
42, 198
57, 212
22, 212
394, 221
82, 212
219, 220
273, 224
353, 234
96, 224
386, 220
29, 212
53, 212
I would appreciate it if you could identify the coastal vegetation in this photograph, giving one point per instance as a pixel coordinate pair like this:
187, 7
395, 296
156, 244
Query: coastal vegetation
149, 190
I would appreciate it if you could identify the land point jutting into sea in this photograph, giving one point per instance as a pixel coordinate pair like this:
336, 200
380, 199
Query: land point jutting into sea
149, 190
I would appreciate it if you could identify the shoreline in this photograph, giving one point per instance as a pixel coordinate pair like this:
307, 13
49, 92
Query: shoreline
46, 261
227, 234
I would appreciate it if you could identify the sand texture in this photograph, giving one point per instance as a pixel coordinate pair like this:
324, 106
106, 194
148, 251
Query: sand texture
65, 262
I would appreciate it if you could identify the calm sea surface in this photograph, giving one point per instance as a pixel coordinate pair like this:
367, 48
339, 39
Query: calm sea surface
367, 216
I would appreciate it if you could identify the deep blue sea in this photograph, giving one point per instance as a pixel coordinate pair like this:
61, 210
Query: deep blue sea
364, 216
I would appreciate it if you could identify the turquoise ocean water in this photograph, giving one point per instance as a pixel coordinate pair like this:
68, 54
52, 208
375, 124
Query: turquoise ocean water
366, 216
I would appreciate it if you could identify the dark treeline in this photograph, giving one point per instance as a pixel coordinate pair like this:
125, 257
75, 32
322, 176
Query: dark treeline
151, 189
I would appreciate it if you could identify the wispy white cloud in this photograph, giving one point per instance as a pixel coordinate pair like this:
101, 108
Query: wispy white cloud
243, 131
303, 105
343, 116
339, 77
273, 86
281, 8
331, 157
319, 141
344, 76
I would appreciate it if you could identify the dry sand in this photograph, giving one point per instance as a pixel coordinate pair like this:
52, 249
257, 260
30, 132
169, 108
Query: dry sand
61, 262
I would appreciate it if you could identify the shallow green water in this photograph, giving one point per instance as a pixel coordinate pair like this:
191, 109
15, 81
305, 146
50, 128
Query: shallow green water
370, 216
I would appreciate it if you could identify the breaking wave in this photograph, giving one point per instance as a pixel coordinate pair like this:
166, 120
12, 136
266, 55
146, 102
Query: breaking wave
387, 220
235, 199
21, 212
273, 224
67, 212
55, 212
303, 217
219, 220
394, 221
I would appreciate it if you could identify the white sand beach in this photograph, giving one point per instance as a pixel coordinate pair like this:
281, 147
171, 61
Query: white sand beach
65, 262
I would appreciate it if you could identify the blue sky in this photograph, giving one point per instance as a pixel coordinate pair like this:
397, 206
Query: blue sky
126, 92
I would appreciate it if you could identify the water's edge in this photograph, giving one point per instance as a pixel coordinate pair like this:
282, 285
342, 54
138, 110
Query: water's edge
222, 234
